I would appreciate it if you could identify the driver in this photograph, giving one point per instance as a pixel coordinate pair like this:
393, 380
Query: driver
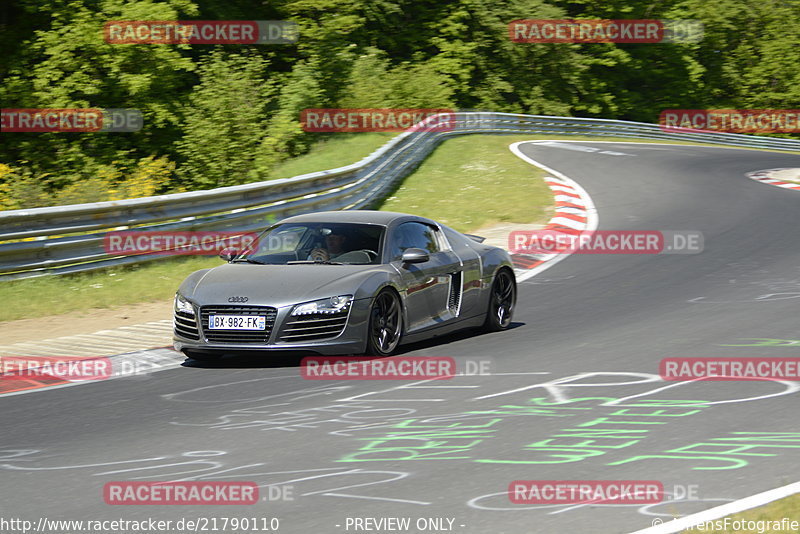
334, 246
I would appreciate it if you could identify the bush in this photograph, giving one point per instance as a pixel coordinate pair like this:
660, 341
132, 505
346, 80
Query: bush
20, 188
224, 121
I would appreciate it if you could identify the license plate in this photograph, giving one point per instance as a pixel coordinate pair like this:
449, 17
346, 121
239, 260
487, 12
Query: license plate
237, 322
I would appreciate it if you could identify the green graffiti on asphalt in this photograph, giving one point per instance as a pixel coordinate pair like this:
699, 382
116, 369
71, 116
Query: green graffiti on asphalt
549, 452
727, 453
622, 427
409, 440
412, 440
767, 342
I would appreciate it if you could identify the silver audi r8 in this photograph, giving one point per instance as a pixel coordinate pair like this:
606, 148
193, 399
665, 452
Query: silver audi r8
344, 282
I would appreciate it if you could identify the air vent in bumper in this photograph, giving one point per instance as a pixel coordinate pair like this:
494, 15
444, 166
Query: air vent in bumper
186, 326
313, 327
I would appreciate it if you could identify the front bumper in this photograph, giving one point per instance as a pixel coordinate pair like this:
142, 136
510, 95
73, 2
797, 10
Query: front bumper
281, 338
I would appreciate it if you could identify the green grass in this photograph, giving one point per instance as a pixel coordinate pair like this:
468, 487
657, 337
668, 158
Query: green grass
468, 182
473, 181
336, 151
118, 286
774, 511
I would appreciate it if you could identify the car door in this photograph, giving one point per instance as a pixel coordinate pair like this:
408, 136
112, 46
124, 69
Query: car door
428, 285
471, 273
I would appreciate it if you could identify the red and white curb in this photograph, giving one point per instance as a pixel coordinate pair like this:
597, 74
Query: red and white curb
134, 350
137, 364
575, 214
766, 176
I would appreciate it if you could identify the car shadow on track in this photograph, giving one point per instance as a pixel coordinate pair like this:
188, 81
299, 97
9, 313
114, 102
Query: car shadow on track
271, 360
446, 339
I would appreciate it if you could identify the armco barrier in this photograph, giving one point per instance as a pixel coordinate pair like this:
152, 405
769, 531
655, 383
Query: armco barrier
67, 239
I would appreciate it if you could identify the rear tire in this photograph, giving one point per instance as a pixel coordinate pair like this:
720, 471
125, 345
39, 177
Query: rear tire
502, 299
385, 328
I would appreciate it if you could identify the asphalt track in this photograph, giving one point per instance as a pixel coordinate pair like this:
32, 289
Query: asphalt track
598, 324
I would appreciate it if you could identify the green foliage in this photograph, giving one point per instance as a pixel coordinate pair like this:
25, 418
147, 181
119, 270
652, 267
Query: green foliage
220, 115
21, 188
374, 83
224, 120
284, 135
65, 63
751, 52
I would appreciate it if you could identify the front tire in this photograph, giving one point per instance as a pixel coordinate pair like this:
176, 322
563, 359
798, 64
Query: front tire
502, 299
385, 324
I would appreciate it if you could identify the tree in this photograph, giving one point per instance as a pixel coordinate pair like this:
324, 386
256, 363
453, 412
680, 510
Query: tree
224, 121
69, 65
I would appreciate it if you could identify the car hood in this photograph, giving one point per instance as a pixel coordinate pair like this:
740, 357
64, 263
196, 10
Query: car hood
276, 285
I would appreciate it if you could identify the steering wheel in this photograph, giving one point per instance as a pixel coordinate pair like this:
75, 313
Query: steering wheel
319, 254
371, 253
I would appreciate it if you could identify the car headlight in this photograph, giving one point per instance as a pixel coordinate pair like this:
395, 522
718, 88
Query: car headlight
329, 305
182, 305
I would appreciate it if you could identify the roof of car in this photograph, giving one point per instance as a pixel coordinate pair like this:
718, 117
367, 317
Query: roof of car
353, 216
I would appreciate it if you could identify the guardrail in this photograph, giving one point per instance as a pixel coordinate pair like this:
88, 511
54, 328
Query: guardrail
68, 239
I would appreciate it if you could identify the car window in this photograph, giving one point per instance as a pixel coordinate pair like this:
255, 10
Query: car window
348, 243
282, 240
412, 235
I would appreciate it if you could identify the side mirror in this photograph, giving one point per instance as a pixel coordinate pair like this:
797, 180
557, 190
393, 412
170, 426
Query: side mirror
228, 254
415, 255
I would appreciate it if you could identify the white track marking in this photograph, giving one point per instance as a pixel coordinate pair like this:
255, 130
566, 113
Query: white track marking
573, 211
759, 499
561, 188
582, 148
569, 223
652, 145
564, 198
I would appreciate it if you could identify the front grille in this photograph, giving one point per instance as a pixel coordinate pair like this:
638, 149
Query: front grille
186, 325
313, 326
238, 336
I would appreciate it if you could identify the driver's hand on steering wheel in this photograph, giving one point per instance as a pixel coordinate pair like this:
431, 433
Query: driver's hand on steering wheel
319, 254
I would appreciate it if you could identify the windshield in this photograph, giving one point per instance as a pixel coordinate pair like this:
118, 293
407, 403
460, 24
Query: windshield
311, 243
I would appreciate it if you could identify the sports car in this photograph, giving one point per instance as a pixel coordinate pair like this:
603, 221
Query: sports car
344, 282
